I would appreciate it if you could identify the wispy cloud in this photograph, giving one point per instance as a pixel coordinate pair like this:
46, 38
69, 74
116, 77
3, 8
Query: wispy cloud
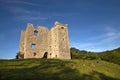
26, 14
22, 13
111, 34
30, 14
100, 42
19, 2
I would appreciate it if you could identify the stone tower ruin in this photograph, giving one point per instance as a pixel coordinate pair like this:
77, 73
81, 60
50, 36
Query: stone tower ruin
45, 43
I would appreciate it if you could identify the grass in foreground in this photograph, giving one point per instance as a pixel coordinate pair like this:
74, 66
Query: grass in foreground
49, 69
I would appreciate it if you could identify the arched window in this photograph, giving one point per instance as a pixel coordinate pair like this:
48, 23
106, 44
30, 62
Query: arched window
45, 55
35, 33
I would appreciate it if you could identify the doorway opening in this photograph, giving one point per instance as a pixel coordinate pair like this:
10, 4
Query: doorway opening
45, 55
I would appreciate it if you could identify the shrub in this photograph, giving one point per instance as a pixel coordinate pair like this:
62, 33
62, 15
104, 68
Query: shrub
20, 55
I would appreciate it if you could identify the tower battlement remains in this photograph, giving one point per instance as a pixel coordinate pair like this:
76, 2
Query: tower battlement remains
45, 43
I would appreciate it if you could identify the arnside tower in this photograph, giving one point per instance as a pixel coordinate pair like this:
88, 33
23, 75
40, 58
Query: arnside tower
45, 43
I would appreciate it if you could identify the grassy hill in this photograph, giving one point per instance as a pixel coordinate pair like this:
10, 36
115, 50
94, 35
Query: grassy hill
83, 66
50, 69
110, 56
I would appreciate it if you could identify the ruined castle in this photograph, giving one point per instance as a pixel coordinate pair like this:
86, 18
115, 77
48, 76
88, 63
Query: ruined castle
45, 43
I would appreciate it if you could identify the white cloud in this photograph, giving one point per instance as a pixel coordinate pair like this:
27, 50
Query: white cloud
25, 14
22, 13
106, 41
19, 2
111, 34
16, 7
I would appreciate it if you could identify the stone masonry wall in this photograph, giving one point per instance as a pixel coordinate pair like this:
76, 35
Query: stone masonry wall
42, 42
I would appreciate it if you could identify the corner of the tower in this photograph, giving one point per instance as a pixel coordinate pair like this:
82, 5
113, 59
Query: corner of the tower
29, 26
58, 23
60, 41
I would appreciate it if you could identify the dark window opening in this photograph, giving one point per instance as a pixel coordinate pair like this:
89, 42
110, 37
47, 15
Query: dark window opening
56, 56
34, 54
62, 27
50, 54
45, 55
33, 46
35, 33
63, 39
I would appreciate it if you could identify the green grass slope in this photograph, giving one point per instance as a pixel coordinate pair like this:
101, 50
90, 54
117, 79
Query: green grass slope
110, 56
50, 69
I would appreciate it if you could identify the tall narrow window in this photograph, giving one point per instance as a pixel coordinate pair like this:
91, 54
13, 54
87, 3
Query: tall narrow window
33, 46
62, 27
50, 54
34, 54
35, 33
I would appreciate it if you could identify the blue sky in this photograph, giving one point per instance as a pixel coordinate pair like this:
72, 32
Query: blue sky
94, 25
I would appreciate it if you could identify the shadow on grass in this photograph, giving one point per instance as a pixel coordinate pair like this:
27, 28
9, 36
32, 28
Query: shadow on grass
50, 70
